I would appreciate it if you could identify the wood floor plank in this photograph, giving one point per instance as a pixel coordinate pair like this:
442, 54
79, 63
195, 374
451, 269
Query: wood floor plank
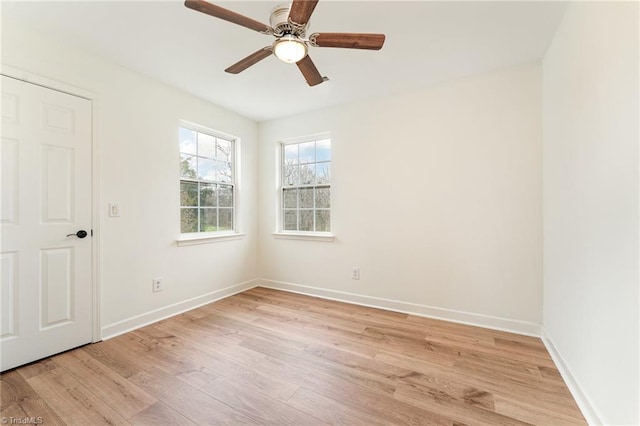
459, 329
166, 354
551, 373
187, 400
489, 371
271, 357
235, 309
347, 341
124, 397
322, 312
260, 408
257, 329
347, 359
304, 360
221, 364
383, 406
426, 373
13, 411
327, 306
10, 392
279, 314
72, 401
116, 356
331, 411
459, 410
488, 353
36, 368
536, 413
227, 344
20, 400
160, 414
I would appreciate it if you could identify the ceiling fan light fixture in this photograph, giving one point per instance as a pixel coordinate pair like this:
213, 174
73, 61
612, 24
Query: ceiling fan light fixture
289, 49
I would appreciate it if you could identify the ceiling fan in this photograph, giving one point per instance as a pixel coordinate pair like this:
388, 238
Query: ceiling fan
289, 26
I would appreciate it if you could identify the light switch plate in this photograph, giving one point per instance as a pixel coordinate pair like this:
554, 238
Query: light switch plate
114, 210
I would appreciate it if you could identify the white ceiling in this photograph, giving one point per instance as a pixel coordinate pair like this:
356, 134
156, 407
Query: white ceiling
427, 43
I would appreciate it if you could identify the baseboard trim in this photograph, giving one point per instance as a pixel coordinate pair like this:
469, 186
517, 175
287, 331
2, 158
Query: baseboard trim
479, 320
130, 324
587, 409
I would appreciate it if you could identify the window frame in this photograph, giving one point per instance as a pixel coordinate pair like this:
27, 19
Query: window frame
280, 232
189, 238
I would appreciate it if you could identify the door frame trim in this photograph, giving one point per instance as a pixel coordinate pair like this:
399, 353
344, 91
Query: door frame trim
59, 86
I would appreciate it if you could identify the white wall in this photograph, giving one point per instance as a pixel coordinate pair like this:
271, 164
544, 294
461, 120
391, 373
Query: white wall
590, 75
137, 121
436, 197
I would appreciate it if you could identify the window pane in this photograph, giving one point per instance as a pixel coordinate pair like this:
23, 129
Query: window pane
188, 220
224, 150
225, 220
187, 141
208, 220
291, 154
290, 220
225, 195
206, 145
323, 173
307, 152
323, 198
291, 176
307, 174
290, 198
224, 171
323, 150
188, 166
305, 198
306, 220
188, 194
323, 220
206, 169
208, 195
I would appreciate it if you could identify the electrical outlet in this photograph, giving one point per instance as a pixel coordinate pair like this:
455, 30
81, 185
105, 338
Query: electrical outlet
157, 285
355, 273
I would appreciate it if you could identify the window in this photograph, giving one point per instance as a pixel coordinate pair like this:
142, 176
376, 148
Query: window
306, 186
207, 183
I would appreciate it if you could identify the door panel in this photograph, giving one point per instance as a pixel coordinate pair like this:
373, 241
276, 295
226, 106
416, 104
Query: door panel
56, 286
9, 178
8, 294
46, 286
57, 184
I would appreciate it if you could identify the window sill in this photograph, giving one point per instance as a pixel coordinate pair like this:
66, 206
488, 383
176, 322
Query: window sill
311, 236
206, 239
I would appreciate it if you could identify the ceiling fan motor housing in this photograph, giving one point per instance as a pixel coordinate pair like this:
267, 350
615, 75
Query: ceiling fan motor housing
279, 21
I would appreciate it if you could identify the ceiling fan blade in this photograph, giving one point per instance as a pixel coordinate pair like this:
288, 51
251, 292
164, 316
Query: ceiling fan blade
252, 59
227, 15
309, 71
301, 11
348, 40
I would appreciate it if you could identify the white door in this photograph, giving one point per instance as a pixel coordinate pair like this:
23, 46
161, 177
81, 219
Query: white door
46, 291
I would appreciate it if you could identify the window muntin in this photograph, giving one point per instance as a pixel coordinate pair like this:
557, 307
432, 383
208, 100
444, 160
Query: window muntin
306, 186
207, 183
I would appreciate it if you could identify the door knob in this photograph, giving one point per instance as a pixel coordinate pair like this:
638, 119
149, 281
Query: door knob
80, 234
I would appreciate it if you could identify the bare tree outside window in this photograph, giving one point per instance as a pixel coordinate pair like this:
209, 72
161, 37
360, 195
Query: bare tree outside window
306, 186
206, 182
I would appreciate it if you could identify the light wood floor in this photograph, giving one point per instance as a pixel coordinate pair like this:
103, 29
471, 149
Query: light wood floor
276, 358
